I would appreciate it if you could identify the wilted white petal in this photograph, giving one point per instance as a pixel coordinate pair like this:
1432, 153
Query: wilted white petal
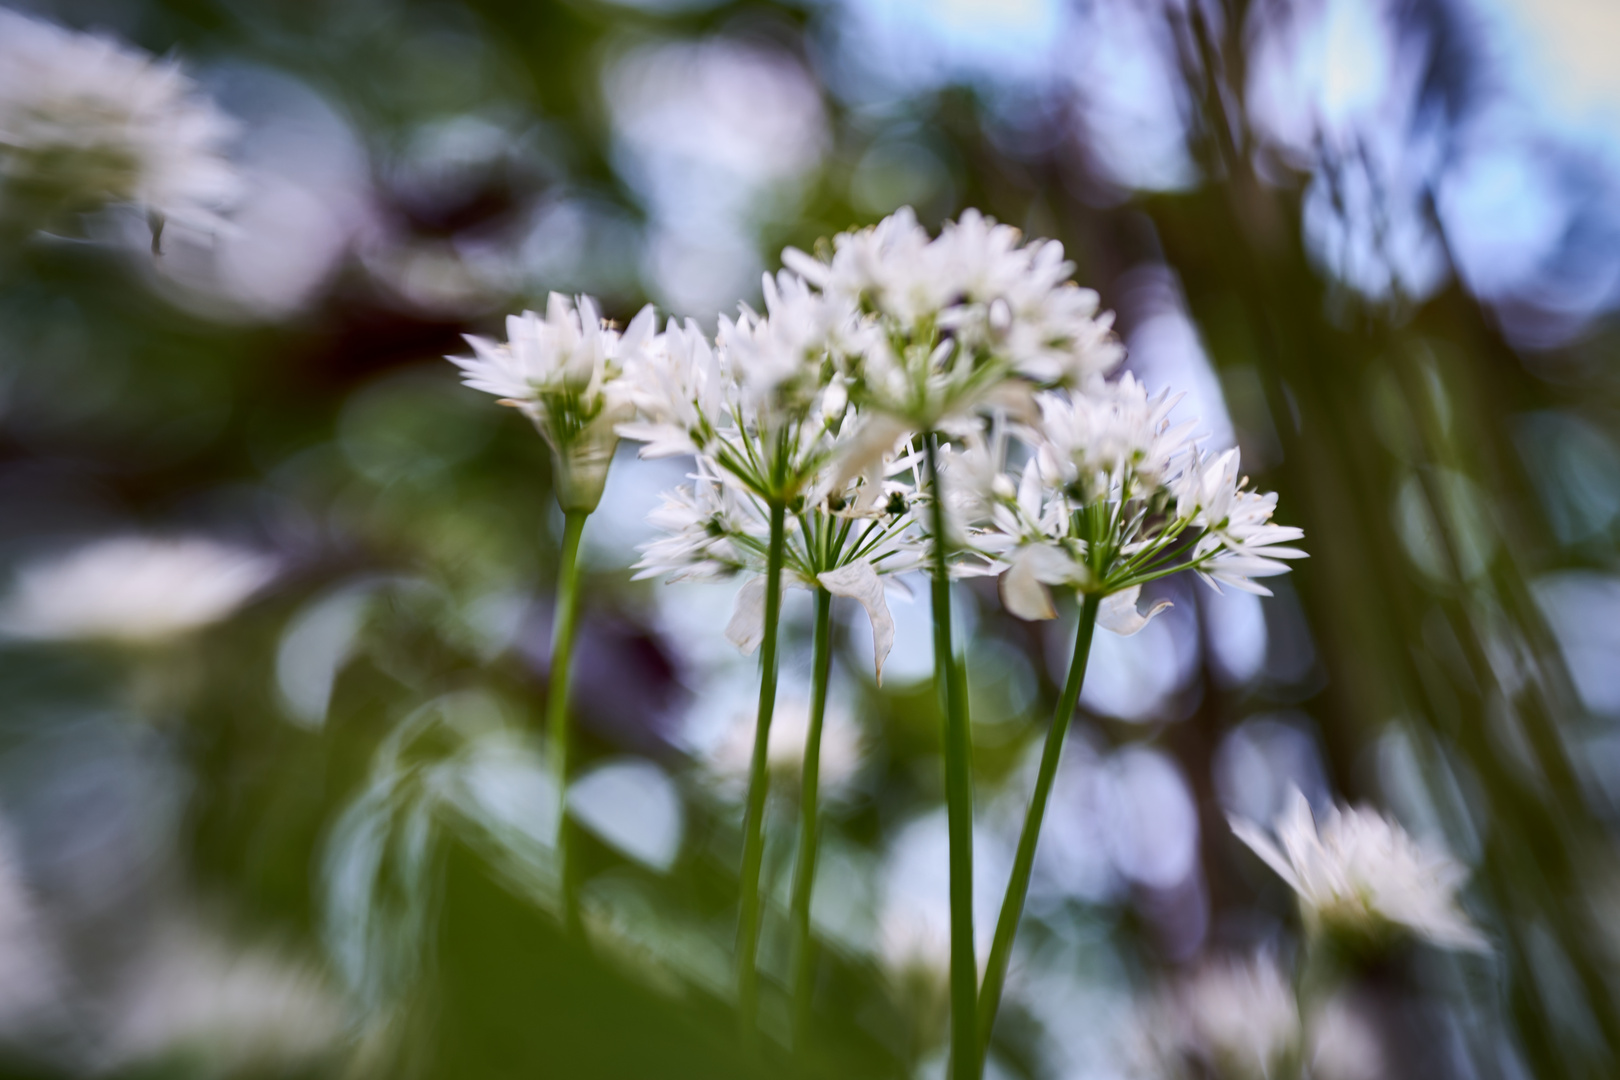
1117, 612
747, 626
860, 582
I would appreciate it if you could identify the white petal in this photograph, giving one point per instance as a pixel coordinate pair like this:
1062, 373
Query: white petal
1021, 590
864, 454
860, 582
1118, 612
747, 626
1029, 490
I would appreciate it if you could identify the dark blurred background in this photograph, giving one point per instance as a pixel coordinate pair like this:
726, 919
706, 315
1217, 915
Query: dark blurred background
1377, 243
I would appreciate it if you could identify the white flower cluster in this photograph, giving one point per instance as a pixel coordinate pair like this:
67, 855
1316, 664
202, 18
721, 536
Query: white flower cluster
715, 530
564, 371
1361, 875
1239, 1018
815, 409
86, 121
1114, 496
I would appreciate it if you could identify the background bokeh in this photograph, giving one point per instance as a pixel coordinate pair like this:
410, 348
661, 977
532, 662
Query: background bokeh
1377, 242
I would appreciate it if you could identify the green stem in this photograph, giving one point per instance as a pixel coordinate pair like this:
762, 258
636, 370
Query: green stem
565, 621
804, 869
758, 784
1012, 905
958, 793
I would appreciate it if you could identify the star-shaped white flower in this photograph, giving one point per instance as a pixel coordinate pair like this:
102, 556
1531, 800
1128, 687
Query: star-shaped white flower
1361, 873
564, 372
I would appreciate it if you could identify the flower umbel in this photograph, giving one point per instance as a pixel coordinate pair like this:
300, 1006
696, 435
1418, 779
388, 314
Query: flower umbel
948, 326
1240, 1019
563, 372
715, 530
86, 121
1361, 874
1116, 496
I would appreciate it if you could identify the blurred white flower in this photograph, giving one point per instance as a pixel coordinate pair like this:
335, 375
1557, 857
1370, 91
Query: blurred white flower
1362, 874
87, 121
563, 372
1343, 1043
680, 393
193, 994
32, 979
1239, 1018
841, 747
711, 532
132, 590
913, 942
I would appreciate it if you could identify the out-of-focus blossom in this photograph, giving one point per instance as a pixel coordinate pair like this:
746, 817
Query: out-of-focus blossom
1343, 1044
716, 136
32, 980
86, 121
1239, 1019
132, 590
194, 995
563, 372
912, 943
1360, 874
841, 749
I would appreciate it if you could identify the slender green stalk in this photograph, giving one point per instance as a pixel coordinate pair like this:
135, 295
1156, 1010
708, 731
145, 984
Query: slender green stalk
1012, 905
565, 621
758, 784
804, 869
965, 1058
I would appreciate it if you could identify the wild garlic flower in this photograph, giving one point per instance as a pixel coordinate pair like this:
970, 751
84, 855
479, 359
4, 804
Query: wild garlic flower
563, 371
86, 121
1115, 496
715, 530
1239, 542
1236, 1018
1361, 875
1008, 305
953, 324
681, 393
132, 590
762, 402
1239, 1019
